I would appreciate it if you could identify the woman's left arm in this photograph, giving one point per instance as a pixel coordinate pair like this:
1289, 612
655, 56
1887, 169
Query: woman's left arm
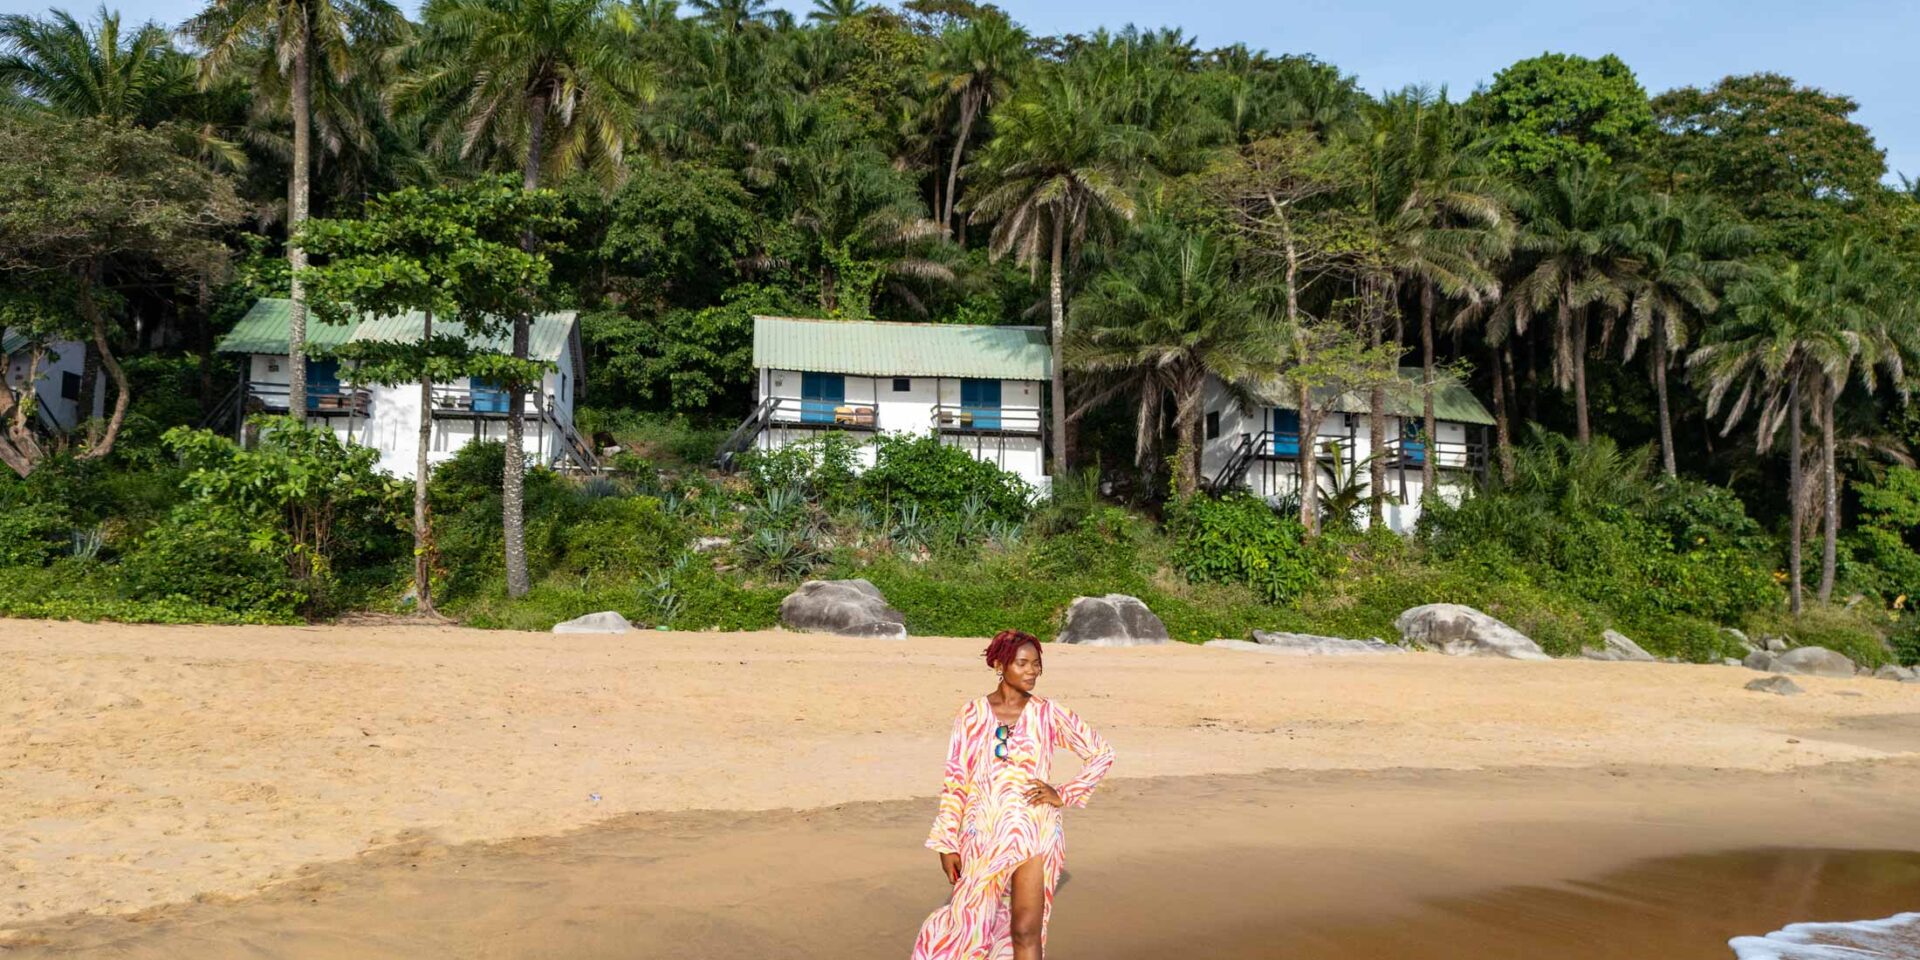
1097, 754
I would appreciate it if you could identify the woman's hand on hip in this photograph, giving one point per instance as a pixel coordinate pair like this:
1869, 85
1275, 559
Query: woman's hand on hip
950, 865
1039, 791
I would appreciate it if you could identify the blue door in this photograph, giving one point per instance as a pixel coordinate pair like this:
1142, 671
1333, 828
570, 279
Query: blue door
323, 380
820, 393
980, 404
488, 397
1413, 441
1286, 433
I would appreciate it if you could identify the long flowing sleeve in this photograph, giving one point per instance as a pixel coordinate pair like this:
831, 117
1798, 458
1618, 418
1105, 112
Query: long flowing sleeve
945, 836
1096, 753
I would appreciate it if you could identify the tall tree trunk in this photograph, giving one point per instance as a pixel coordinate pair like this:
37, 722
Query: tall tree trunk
1058, 333
1186, 479
1583, 429
1307, 463
1377, 294
1796, 510
1533, 380
96, 392
513, 520
90, 309
969, 106
203, 342
296, 216
422, 522
1667, 459
1503, 432
1430, 430
1830, 496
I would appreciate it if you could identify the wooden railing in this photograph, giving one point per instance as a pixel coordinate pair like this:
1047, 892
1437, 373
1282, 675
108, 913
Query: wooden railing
973, 418
334, 401
823, 414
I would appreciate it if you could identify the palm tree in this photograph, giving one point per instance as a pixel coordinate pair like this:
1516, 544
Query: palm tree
977, 65
94, 70
493, 74
1053, 172
1681, 246
1798, 332
1164, 317
303, 34
1428, 216
829, 13
1577, 227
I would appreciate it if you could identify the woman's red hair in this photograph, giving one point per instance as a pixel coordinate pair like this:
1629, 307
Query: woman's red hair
1006, 645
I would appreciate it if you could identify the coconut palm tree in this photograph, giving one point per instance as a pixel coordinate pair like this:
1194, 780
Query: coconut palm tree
1430, 217
303, 35
1798, 333
1165, 316
828, 13
96, 69
975, 67
1683, 247
492, 75
1577, 229
1053, 172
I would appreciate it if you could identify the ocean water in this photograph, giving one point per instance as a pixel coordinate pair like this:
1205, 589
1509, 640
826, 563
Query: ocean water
1895, 938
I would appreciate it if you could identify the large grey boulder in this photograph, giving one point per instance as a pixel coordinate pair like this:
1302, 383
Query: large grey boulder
606, 621
1312, 645
1891, 672
1461, 631
1775, 644
1115, 620
1779, 685
1617, 646
1814, 662
849, 608
1761, 660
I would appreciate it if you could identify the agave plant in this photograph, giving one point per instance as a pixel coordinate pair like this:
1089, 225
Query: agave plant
1349, 493
912, 529
86, 543
787, 554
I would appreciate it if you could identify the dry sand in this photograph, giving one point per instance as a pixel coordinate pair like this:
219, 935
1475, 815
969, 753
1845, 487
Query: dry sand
146, 765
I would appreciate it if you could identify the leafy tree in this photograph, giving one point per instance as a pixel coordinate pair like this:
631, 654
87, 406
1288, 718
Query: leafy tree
1162, 319
454, 253
1683, 250
1789, 157
1547, 112
976, 67
78, 197
495, 73
302, 35
1054, 171
1576, 230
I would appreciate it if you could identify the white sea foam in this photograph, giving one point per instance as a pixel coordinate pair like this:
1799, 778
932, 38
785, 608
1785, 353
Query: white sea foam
1895, 938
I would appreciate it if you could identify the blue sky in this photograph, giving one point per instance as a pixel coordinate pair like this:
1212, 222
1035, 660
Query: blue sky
1866, 49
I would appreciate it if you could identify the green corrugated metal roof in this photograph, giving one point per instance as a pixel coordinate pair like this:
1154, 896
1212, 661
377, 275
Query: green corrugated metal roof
264, 330
879, 349
1452, 401
11, 341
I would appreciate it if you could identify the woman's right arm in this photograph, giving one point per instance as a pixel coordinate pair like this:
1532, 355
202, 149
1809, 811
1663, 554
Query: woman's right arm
945, 836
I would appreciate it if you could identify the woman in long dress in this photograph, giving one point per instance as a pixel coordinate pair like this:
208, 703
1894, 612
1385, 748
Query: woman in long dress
999, 831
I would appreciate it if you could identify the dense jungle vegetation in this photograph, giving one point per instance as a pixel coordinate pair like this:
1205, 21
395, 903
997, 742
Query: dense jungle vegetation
1692, 313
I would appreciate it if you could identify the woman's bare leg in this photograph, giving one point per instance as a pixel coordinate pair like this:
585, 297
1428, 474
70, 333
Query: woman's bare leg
1029, 908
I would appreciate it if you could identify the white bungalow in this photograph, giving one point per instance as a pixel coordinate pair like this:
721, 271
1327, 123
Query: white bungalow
58, 383
980, 388
1260, 448
388, 418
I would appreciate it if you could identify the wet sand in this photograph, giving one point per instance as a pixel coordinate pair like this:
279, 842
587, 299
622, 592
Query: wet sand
1632, 862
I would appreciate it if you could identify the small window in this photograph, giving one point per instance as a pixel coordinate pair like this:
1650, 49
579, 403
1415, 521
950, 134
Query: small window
69, 386
1213, 425
902, 384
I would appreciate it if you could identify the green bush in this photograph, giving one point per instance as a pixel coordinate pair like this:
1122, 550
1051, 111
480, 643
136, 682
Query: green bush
619, 536
939, 478
196, 556
74, 590
1240, 539
31, 533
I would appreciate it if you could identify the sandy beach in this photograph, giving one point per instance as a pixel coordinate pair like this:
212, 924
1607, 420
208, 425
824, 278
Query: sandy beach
410, 791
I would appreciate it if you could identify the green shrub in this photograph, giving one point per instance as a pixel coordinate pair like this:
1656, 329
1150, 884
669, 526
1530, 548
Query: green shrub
31, 533
939, 477
820, 468
1240, 539
73, 590
196, 556
619, 536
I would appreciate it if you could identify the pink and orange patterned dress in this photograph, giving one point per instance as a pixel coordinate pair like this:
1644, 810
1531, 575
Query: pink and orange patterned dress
985, 818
